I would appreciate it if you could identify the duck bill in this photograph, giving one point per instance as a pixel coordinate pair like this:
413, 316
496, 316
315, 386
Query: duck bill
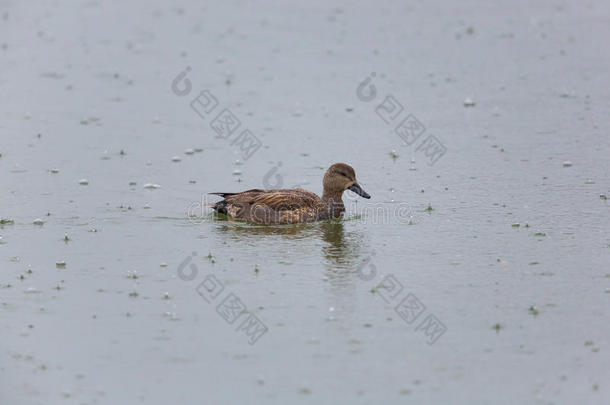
358, 190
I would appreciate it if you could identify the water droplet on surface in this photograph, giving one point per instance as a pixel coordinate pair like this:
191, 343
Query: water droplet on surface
468, 102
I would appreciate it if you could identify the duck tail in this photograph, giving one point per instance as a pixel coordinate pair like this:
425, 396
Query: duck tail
224, 195
221, 207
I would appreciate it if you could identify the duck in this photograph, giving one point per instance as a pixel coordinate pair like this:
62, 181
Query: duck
292, 206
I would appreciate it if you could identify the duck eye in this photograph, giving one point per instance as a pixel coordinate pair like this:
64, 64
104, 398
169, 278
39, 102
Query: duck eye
343, 174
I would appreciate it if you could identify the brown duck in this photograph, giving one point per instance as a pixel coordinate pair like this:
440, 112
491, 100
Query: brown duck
290, 206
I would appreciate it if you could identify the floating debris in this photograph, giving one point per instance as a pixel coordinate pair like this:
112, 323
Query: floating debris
151, 186
516, 225
237, 162
132, 183
540, 234
589, 181
349, 109
66, 238
38, 221
54, 171
236, 172
468, 102
176, 159
393, 154
567, 163
163, 264
166, 296
146, 206
497, 327
32, 290
601, 196
60, 265
533, 310
83, 182
189, 151
198, 150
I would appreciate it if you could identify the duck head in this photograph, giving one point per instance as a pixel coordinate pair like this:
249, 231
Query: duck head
340, 177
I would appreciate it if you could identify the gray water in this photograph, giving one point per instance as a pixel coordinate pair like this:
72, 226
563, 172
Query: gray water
498, 241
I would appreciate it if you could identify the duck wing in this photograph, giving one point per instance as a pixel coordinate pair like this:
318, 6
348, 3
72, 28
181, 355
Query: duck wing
286, 199
244, 204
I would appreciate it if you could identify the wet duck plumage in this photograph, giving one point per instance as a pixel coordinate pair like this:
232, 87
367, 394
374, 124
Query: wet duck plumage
289, 206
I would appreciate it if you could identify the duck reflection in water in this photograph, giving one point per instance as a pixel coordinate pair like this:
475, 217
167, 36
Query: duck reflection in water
340, 249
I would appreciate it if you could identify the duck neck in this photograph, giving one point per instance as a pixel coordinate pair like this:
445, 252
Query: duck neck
333, 202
